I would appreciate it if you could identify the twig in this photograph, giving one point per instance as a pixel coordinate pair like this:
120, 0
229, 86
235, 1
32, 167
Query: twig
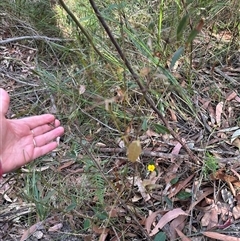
230, 79
16, 79
229, 159
9, 40
166, 155
94, 118
141, 86
85, 33
144, 153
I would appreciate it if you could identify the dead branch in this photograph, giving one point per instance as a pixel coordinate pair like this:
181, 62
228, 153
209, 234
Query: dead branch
230, 79
45, 38
148, 153
144, 153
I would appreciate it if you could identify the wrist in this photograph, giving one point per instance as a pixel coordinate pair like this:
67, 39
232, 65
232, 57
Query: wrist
1, 170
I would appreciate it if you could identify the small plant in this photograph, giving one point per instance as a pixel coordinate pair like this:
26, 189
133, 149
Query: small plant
210, 166
96, 181
36, 193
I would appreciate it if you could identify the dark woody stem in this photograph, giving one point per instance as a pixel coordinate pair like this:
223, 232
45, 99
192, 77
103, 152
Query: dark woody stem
141, 86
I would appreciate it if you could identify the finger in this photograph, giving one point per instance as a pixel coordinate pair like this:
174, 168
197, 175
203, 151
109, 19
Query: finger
48, 136
39, 120
44, 128
4, 101
43, 150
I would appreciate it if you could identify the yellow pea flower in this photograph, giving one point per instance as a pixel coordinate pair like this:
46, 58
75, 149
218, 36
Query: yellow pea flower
151, 167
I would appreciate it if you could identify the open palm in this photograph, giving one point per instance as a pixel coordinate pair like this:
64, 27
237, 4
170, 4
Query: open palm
23, 140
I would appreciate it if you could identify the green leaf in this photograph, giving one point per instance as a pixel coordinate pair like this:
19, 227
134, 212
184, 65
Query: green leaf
195, 31
183, 195
144, 124
168, 201
160, 129
161, 236
192, 36
71, 207
49, 195
86, 224
181, 26
102, 215
176, 56
174, 180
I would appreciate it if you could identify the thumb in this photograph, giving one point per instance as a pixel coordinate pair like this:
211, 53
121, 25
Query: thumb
4, 101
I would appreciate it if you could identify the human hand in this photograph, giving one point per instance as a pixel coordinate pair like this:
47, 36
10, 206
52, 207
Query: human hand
23, 140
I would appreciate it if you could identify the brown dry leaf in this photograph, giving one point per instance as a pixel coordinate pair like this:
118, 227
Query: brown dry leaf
219, 110
180, 185
65, 165
205, 103
232, 188
221, 175
98, 230
176, 150
30, 231
182, 236
116, 237
142, 189
200, 25
237, 99
114, 212
230, 96
120, 142
226, 224
224, 210
179, 223
173, 115
134, 151
231, 180
151, 133
109, 101
211, 114
136, 198
169, 216
144, 71
121, 96
56, 227
82, 89
6, 188
220, 236
213, 222
103, 236
88, 237
153, 178
150, 219
205, 219
236, 212
236, 143
100, 144
205, 192
236, 174
235, 135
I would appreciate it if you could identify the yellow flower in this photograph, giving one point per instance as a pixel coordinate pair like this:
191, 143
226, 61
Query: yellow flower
151, 167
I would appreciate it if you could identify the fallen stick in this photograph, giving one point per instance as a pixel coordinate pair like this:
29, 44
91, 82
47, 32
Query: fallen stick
144, 153
164, 155
9, 40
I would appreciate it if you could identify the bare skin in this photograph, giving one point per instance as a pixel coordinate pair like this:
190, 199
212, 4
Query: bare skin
23, 140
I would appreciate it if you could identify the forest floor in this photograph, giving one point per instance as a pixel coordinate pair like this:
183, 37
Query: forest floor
97, 187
